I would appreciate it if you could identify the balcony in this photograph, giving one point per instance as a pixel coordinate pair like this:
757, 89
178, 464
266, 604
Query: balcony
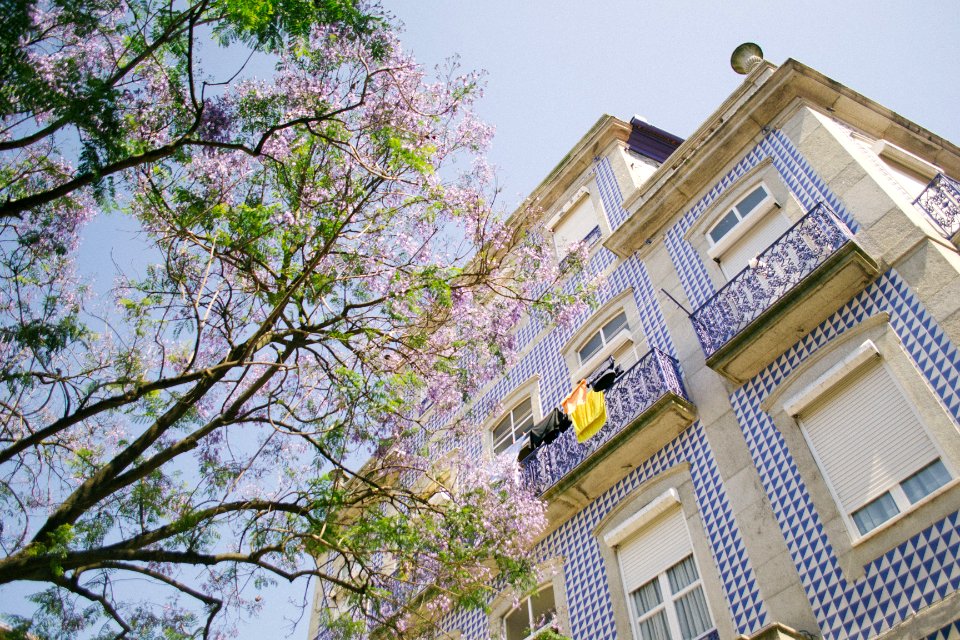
941, 202
787, 290
646, 408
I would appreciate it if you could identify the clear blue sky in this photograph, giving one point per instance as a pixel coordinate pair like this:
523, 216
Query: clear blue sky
555, 67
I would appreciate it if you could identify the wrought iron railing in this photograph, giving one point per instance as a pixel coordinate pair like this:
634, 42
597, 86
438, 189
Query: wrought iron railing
941, 202
771, 275
652, 377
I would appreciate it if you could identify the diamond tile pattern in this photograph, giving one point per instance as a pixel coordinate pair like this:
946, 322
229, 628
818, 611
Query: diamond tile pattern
588, 596
796, 173
610, 192
916, 574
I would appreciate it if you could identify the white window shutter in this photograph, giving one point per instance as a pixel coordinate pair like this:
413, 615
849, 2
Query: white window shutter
866, 436
761, 236
654, 548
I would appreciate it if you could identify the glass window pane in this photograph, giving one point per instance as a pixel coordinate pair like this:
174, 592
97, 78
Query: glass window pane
502, 435
726, 223
654, 627
647, 597
750, 203
593, 346
682, 574
693, 615
522, 410
543, 608
925, 481
875, 513
522, 422
614, 327
517, 622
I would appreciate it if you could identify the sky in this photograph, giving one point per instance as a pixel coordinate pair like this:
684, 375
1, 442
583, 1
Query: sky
554, 68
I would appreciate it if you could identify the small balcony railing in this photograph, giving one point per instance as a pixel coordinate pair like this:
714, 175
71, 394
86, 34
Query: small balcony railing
770, 276
941, 202
653, 377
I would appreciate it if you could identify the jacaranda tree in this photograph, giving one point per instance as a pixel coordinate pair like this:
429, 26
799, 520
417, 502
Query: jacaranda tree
321, 262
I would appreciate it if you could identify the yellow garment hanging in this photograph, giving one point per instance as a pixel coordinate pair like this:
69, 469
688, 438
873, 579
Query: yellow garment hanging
589, 415
577, 397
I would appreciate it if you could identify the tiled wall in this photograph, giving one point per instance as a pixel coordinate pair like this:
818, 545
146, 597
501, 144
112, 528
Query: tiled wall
915, 574
588, 594
918, 572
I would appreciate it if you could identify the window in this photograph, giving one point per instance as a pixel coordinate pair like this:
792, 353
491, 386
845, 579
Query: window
603, 337
612, 332
740, 211
577, 221
745, 230
661, 579
513, 427
913, 174
683, 614
532, 615
869, 441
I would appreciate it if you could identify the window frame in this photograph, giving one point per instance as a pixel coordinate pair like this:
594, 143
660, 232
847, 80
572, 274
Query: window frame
503, 603
628, 340
827, 386
853, 551
605, 342
528, 418
671, 489
585, 191
668, 600
711, 256
744, 221
528, 600
529, 389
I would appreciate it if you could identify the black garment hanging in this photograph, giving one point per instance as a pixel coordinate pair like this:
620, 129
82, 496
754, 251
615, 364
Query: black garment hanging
547, 430
605, 375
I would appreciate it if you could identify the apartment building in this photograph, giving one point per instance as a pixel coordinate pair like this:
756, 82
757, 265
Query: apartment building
780, 456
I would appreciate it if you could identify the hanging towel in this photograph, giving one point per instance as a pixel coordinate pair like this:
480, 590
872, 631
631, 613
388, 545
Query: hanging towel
547, 430
589, 416
576, 397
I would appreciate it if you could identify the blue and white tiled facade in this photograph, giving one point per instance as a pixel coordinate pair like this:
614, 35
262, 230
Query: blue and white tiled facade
918, 573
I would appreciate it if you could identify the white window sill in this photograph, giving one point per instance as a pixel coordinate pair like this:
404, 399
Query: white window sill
809, 394
657, 506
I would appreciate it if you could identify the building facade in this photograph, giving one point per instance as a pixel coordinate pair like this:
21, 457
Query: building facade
781, 454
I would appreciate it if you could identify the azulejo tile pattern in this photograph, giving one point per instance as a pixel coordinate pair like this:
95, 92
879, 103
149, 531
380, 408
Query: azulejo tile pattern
920, 571
949, 632
796, 173
610, 193
916, 574
588, 595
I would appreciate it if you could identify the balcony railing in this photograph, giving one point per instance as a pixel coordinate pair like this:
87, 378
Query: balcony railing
636, 391
941, 202
770, 276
